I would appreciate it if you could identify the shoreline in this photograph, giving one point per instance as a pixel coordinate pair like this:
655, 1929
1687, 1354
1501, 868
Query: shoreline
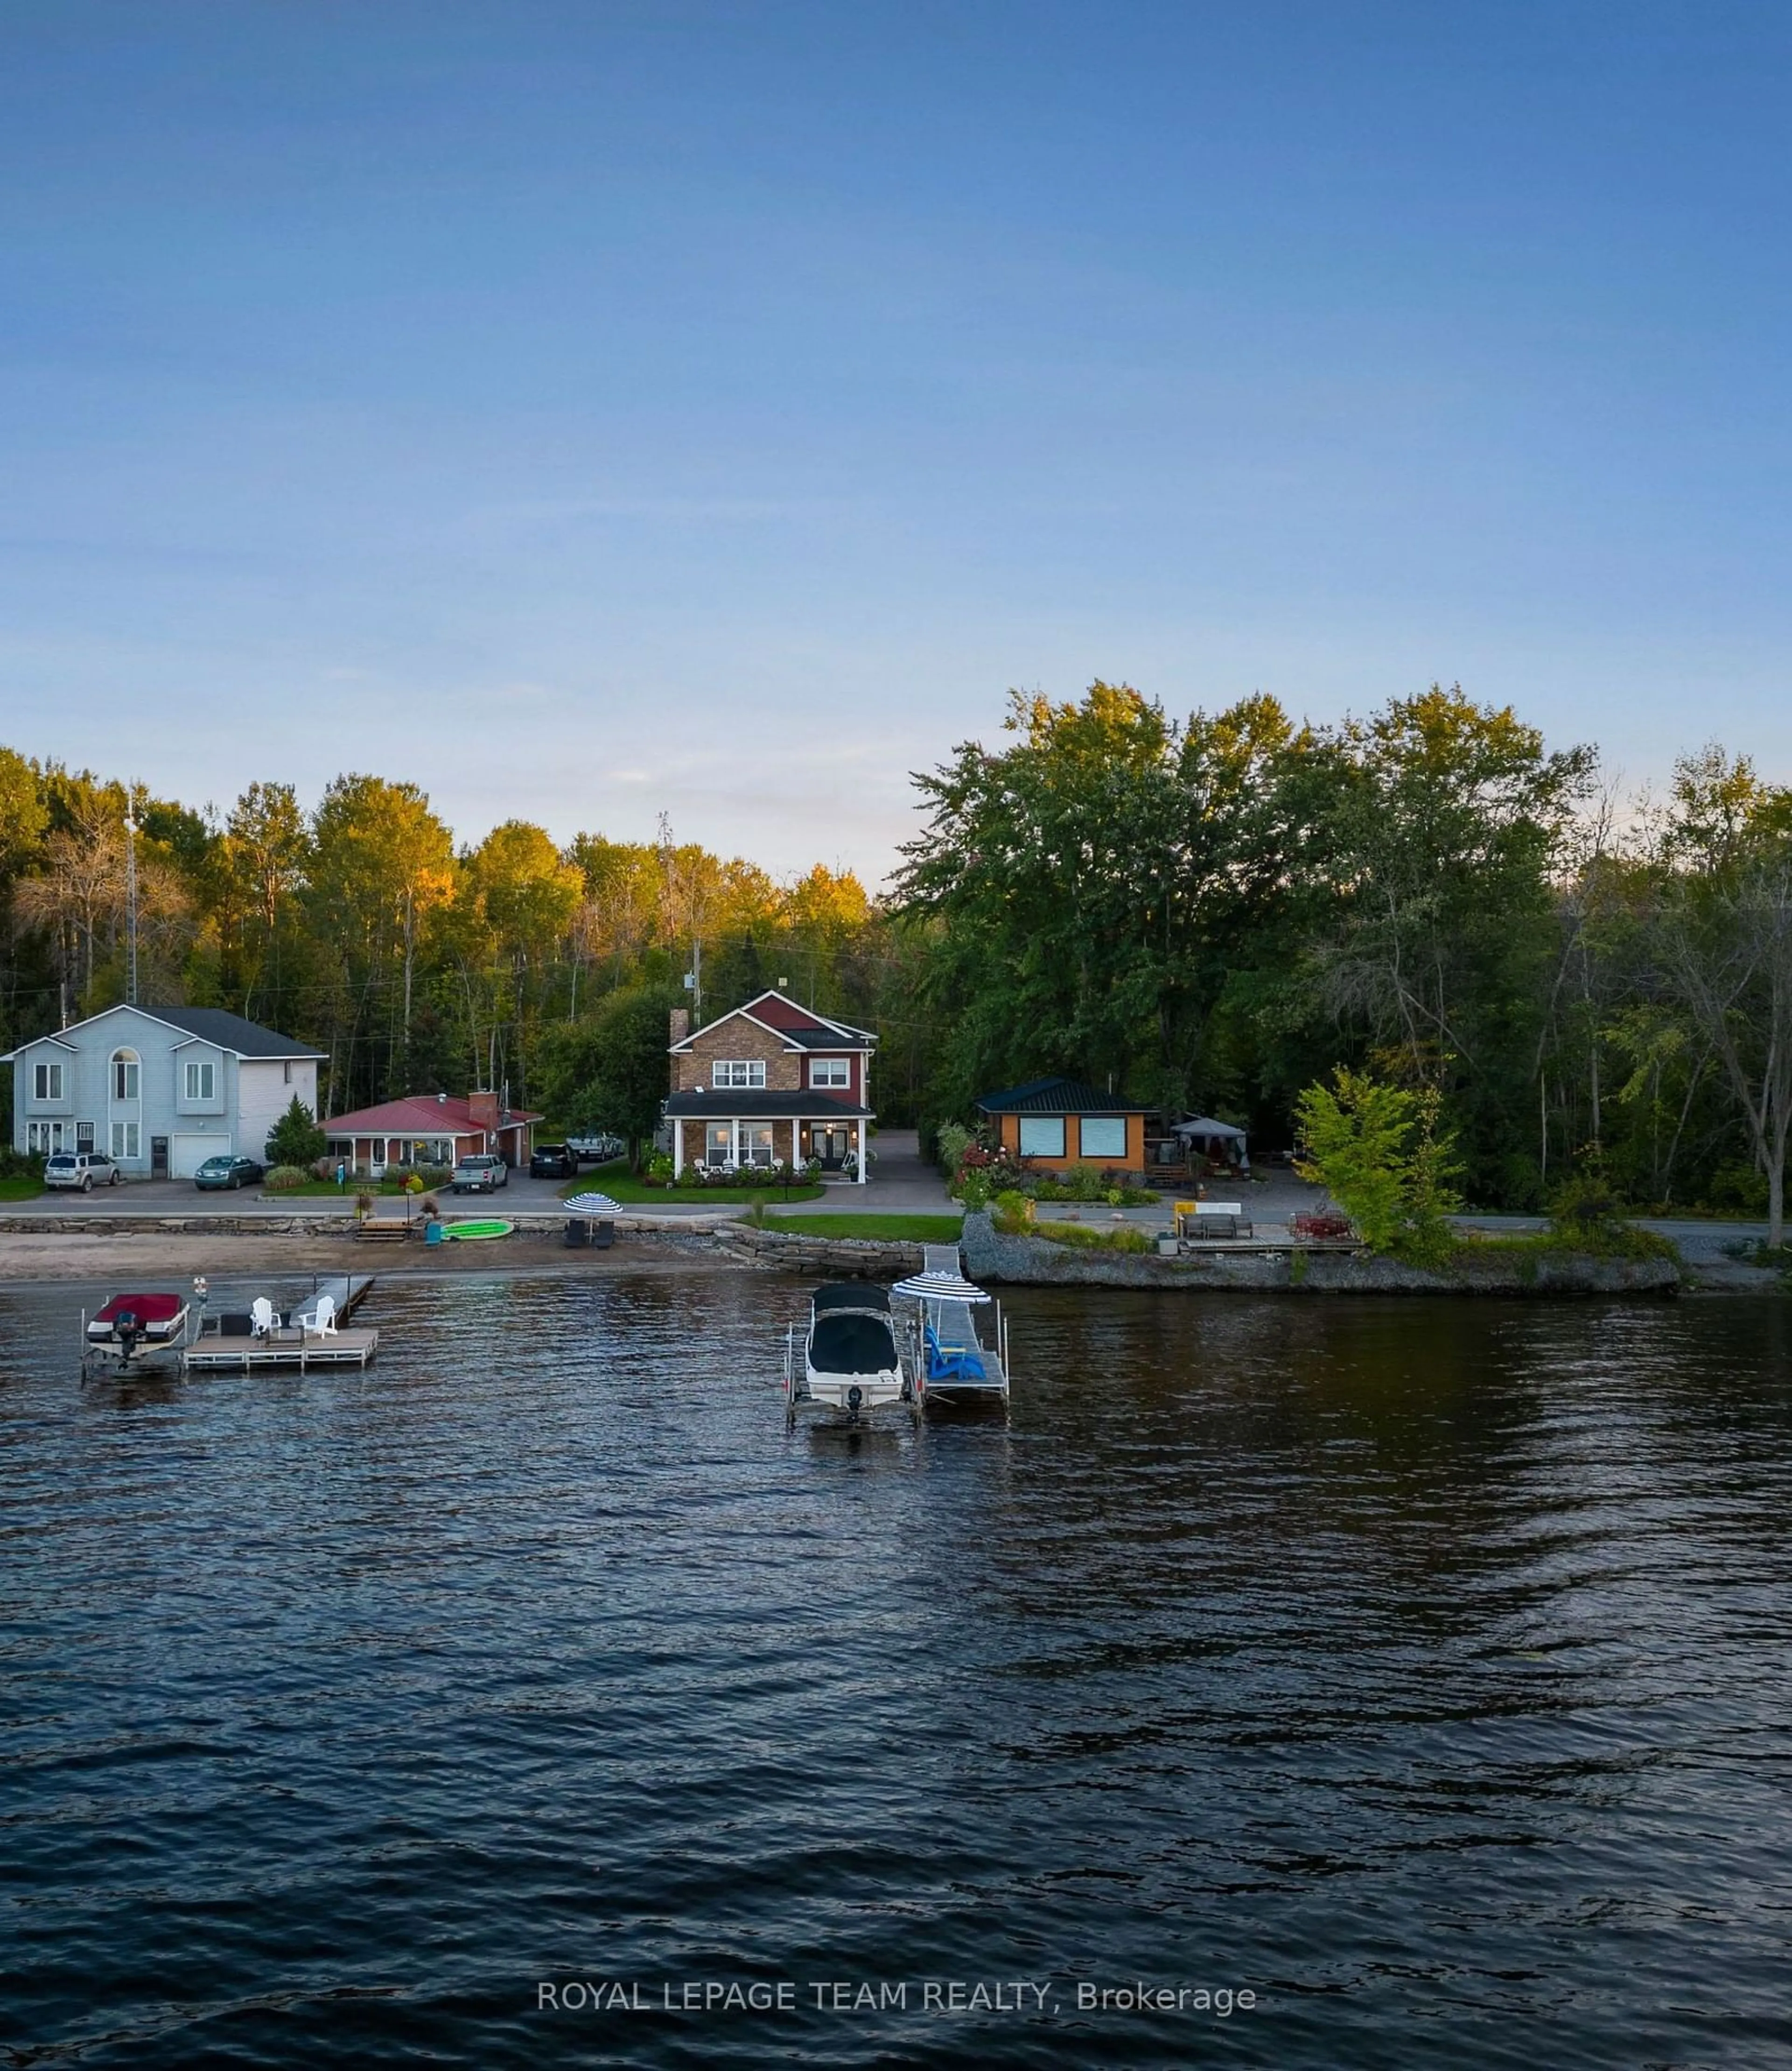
90, 1256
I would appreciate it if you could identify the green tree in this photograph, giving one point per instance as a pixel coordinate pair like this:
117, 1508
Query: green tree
1377, 1149
610, 1071
296, 1139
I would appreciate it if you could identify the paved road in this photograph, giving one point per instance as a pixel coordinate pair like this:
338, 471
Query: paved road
180, 1197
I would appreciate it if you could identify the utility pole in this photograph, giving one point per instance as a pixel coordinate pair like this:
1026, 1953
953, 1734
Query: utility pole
696, 982
130, 892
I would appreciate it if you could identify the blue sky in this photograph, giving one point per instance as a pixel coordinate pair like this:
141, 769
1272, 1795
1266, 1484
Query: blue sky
594, 410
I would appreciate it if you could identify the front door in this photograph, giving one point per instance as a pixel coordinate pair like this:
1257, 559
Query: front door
158, 1156
833, 1146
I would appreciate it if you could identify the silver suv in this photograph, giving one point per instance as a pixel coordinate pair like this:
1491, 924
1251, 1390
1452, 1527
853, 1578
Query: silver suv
85, 1169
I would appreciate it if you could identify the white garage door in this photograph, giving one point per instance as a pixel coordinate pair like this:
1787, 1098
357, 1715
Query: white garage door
187, 1154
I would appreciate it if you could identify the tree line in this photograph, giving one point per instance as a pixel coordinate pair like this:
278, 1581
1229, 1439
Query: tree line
412, 962
1211, 914
1216, 913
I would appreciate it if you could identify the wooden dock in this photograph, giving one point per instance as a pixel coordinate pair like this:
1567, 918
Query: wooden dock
295, 1345
293, 1351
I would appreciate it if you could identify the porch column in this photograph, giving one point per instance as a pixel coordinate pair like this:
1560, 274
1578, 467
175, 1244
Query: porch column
678, 1149
864, 1152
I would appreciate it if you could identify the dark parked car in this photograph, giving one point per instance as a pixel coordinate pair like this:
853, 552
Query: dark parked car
553, 1161
224, 1171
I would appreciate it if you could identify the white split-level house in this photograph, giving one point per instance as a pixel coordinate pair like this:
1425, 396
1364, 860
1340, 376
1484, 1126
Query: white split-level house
769, 1084
159, 1088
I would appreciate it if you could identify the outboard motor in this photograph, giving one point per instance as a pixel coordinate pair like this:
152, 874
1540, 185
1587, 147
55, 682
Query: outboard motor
128, 1328
856, 1400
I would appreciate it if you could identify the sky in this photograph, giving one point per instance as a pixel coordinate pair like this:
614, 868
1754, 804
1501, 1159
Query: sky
597, 410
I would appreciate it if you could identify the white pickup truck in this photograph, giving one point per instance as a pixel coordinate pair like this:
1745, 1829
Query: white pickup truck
481, 1174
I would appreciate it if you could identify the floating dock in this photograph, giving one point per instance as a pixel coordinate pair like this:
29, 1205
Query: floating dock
227, 1346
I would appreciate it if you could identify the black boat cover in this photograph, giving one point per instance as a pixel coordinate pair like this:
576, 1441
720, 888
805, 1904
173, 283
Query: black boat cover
851, 1294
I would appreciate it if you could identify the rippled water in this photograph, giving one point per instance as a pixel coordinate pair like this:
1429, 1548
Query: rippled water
1420, 1668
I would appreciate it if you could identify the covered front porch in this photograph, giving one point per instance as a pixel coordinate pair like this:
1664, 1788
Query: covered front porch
728, 1143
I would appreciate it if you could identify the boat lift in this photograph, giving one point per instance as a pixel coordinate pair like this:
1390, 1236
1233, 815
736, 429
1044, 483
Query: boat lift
952, 1367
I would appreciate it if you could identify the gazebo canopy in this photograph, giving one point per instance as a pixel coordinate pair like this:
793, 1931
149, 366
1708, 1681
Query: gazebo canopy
1204, 1125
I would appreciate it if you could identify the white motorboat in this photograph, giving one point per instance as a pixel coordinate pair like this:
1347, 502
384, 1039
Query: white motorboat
849, 1365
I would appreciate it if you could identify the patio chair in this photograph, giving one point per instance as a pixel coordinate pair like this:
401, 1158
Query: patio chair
957, 1364
263, 1322
322, 1319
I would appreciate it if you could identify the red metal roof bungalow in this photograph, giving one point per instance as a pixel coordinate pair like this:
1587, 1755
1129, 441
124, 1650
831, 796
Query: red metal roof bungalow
430, 1129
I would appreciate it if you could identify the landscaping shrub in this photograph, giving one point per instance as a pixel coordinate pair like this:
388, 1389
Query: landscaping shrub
1318, 1224
1011, 1212
20, 1164
285, 1178
1083, 1237
1587, 1215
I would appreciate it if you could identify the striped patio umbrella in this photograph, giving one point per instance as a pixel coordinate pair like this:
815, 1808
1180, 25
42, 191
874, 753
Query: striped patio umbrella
593, 1205
940, 1287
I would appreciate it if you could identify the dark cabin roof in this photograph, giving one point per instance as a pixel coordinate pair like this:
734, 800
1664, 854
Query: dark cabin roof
736, 1103
230, 1031
1057, 1097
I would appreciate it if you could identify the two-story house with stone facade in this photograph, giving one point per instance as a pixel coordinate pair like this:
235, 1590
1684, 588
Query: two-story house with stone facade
769, 1084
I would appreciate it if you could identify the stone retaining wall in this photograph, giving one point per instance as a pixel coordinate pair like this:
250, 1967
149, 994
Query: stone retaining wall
1036, 1262
674, 1229
821, 1257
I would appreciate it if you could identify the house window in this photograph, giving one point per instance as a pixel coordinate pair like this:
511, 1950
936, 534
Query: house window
47, 1082
1104, 1136
44, 1136
201, 1079
125, 1140
1042, 1136
126, 1074
286, 1071
756, 1143
719, 1143
84, 1136
829, 1072
727, 1071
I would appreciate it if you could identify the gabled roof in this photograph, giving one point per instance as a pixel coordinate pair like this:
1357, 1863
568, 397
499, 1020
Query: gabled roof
813, 1032
1057, 1097
423, 1114
204, 1024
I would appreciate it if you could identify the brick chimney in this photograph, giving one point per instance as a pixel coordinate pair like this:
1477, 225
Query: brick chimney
482, 1109
681, 1023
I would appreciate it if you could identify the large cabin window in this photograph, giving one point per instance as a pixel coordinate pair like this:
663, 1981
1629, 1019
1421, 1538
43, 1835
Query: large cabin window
126, 1075
1042, 1136
1104, 1136
728, 1072
831, 1071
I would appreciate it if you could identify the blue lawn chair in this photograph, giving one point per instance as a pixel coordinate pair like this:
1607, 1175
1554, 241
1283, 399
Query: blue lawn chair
942, 1365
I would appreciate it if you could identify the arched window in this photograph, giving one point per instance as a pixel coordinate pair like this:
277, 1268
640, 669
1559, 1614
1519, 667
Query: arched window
126, 1075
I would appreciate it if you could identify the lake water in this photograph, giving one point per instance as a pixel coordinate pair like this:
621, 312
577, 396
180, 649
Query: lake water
1421, 1669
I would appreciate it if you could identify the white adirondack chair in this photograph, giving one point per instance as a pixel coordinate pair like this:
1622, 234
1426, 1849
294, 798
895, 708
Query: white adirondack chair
323, 1316
262, 1318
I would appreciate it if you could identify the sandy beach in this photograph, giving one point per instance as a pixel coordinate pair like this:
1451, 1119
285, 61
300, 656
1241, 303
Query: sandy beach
116, 1261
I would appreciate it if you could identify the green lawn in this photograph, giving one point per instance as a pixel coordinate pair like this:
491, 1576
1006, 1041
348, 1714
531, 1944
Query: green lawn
24, 1188
621, 1184
898, 1229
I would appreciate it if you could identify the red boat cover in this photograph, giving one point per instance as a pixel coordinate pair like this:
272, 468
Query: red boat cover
147, 1308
